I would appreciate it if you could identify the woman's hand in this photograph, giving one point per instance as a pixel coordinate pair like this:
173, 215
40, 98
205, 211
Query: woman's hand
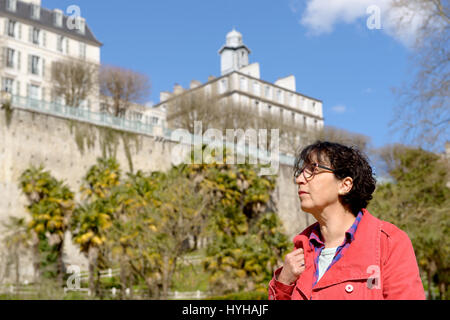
294, 265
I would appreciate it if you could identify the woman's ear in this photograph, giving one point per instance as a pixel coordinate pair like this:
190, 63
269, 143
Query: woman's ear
345, 186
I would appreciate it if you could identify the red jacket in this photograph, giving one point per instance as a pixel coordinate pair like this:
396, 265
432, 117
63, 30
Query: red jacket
379, 264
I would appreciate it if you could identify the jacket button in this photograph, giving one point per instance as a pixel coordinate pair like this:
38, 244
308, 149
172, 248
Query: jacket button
349, 288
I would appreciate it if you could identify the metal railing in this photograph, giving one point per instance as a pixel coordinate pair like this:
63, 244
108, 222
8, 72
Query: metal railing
85, 115
123, 124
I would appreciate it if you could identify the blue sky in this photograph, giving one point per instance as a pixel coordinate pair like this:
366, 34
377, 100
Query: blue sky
350, 68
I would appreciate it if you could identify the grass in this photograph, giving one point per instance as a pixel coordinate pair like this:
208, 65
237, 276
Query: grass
190, 276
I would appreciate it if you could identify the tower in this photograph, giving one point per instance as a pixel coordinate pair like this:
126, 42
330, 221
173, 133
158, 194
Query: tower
234, 54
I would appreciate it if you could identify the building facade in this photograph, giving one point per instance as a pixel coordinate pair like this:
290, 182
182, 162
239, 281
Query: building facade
32, 38
241, 82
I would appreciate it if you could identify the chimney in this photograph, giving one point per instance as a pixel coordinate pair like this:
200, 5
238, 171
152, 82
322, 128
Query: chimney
164, 95
177, 89
57, 18
195, 84
81, 25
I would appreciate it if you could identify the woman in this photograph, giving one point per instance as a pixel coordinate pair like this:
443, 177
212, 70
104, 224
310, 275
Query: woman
348, 253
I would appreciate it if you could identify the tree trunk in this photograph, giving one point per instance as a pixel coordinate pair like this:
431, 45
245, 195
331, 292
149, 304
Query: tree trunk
36, 263
92, 257
430, 283
61, 266
17, 258
123, 276
165, 277
442, 291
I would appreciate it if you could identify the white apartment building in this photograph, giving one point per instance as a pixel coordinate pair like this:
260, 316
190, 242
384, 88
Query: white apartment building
242, 82
32, 38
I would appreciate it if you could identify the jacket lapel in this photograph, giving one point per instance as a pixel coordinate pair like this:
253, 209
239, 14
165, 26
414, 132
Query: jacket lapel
304, 282
363, 252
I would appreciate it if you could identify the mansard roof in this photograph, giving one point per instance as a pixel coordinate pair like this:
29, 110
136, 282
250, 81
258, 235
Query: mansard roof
23, 12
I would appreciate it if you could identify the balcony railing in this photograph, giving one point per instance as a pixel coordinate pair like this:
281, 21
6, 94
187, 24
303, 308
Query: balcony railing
108, 120
85, 115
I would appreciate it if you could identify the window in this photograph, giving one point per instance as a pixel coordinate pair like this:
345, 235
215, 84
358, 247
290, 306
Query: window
35, 36
267, 92
8, 85
12, 28
155, 120
60, 44
223, 85
291, 99
35, 62
10, 53
279, 96
82, 50
11, 5
304, 121
59, 100
35, 11
256, 88
293, 116
34, 92
243, 83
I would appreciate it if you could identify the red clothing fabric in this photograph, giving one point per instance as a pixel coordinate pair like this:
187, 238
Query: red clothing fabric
379, 264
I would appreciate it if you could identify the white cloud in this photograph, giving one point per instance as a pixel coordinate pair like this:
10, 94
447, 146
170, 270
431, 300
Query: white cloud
321, 16
340, 108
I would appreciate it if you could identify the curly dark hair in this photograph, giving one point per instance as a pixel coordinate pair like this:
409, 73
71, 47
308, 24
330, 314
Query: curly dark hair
347, 162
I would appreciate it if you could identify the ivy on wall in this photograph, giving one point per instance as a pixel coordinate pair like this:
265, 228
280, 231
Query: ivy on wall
8, 112
85, 136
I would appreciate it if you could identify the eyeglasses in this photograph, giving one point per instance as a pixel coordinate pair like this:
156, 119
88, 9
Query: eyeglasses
309, 170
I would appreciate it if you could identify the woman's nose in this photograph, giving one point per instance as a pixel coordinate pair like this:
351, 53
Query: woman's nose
300, 179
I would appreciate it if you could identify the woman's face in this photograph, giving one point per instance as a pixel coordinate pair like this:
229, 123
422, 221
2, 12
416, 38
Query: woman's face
319, 191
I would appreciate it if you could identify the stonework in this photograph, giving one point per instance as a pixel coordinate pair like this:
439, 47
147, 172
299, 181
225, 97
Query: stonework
31, 138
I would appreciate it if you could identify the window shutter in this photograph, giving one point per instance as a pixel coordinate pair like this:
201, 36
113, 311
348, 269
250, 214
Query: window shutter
67, 46
20, 30
19, 60
6, 26
28, 90
30, 34
43, 67
43, 94
4, 57
44, 38
18, 88
29, 63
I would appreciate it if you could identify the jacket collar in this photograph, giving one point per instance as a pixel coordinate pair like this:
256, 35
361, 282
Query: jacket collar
363, 252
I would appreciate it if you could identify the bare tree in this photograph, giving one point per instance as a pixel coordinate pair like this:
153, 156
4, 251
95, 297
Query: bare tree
73, 80
183, 111
338, 135
121, 88
224, 113
423, 113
